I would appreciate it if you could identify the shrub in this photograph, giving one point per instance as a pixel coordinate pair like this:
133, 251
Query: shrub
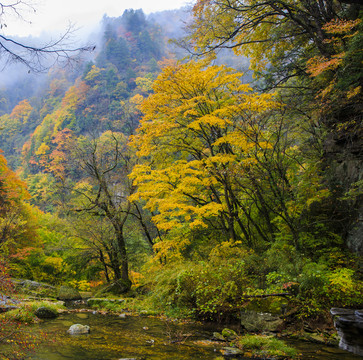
210, 289
342, 289
22, 315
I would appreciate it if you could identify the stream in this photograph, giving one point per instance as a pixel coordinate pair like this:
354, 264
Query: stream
113, 337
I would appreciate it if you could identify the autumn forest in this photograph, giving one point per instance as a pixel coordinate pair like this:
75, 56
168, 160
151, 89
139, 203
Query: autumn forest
196, 174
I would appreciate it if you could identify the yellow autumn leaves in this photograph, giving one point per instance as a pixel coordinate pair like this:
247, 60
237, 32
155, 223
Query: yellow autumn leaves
196, 137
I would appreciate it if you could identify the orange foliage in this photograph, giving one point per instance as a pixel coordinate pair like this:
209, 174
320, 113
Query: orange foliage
12, 189
22, 111
59, 155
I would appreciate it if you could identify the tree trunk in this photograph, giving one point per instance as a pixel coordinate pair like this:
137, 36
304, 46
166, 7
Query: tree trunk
124, 280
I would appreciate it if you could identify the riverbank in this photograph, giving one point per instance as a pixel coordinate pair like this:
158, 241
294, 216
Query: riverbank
253, 331
129, 335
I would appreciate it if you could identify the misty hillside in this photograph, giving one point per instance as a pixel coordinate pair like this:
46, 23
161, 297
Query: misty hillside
123, 64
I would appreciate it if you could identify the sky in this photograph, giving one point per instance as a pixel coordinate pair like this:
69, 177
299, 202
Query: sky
55, 15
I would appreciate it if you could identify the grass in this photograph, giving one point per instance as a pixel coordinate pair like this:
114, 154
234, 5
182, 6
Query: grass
266, 346
51, 305
23, 315
25, 312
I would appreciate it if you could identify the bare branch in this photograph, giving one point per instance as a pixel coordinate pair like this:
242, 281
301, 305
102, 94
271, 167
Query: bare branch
37, 58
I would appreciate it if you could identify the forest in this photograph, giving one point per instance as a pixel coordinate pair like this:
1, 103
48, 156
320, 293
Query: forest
198, 176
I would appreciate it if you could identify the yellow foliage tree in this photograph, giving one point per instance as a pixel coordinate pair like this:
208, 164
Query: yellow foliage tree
198, 135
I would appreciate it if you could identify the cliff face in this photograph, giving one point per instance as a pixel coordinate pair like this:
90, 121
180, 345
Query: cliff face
344, 172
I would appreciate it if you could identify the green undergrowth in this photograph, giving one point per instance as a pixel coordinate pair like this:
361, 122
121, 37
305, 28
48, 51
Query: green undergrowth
51, 305
25, 313
22, 314
235, 279
266, 347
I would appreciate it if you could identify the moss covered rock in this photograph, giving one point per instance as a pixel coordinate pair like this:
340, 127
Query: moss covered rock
35, 289
229, 334
45, 313
68, 293
117, 288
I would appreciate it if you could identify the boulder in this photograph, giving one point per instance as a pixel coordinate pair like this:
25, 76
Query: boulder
45, 313
257, 322
78, 329
7, 304
34, 288
229, 334
218, 336
116, 288
349, 325
68, 293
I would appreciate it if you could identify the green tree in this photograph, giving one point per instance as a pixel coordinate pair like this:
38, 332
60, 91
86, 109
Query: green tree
100, 168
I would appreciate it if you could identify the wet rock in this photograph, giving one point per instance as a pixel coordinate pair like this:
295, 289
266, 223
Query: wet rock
78, 329
45, 313
231, 351
340, 311
349, 328
67, 293
359, 314
316, 338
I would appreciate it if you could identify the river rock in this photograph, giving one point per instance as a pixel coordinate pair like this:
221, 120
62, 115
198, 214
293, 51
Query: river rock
218, 336
68, 293
78, 329
231, 351
45, 313
256, 322
35, 288
229, 334
7, 304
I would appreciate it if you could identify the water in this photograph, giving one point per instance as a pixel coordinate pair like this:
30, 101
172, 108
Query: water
114, 338
311, 351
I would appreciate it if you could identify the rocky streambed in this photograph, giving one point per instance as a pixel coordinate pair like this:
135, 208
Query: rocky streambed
122, 336
113, 337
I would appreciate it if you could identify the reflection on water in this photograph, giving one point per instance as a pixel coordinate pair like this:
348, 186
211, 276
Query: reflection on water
113, 338
321, 352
